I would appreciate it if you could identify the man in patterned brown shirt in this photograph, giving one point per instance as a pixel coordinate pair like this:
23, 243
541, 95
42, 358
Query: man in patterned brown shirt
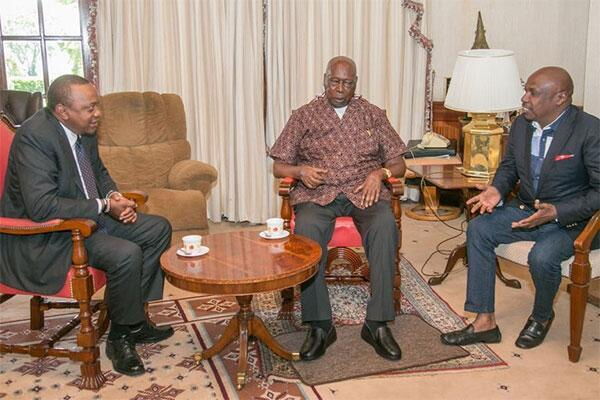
340, 148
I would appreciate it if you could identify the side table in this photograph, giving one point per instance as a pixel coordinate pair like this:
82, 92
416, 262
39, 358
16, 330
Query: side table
430, 208
242, 264
449, 177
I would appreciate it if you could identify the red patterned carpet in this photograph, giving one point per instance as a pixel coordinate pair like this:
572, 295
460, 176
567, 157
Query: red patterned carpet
171, 373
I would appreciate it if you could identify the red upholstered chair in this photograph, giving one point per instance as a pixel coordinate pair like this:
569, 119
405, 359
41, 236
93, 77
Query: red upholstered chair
345, 237
81, 283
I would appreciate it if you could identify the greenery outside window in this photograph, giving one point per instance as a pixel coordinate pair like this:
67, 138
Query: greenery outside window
41, 40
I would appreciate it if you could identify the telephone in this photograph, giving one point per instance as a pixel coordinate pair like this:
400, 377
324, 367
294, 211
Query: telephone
433, 140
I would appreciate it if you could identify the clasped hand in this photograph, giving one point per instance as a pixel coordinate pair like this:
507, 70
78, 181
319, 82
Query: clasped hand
122, 209
312, 176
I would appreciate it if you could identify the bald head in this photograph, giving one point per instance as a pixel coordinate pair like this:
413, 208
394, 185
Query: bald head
558, 77
340, 81
340, 60
548, 92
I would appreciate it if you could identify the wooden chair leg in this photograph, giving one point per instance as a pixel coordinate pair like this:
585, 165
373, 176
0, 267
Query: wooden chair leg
513, 283
578, 304
36, 313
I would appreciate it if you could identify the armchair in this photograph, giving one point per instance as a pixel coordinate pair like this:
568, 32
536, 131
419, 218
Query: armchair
142, 141
345, 237
19, 105
580, 269
81, 282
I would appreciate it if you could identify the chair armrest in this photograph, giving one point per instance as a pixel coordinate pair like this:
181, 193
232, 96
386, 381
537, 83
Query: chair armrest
287, 184
20, 226
138, 196
396, 186
192, 174
584, 240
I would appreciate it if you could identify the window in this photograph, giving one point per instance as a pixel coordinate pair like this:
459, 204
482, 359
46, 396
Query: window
41, 40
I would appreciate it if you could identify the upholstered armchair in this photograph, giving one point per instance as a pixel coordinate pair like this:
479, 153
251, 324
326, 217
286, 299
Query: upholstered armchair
579, 269
142, 141
18, 105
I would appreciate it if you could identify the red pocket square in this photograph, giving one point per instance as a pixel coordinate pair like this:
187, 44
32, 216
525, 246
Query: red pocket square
561, 157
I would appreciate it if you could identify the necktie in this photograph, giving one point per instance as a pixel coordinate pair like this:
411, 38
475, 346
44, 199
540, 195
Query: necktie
538, 160
89, 180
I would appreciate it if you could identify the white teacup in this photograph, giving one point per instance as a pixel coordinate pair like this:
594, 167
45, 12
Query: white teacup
274, 226
191, 243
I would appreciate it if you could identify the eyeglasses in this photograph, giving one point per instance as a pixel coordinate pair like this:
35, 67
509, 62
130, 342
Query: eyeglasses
347, 84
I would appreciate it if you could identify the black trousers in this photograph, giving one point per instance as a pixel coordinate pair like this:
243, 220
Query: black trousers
130, 257
379, 235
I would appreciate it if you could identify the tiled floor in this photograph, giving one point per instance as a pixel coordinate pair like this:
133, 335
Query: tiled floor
541, 373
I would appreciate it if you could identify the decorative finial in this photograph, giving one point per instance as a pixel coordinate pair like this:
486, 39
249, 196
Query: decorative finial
480, 41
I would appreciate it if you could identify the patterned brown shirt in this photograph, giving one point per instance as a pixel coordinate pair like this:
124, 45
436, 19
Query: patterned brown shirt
348, 148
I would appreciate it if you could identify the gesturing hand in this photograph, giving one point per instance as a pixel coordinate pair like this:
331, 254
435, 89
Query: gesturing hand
370, 189
311, 176
486, 200
546, 212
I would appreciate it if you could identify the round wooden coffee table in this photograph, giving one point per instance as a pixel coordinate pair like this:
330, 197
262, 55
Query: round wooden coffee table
242, 264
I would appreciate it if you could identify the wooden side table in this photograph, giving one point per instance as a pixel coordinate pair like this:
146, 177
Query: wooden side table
430, 208
449, 177
242, 264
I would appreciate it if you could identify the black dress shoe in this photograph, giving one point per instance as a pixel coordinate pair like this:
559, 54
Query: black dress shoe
124, 357
468, 335
149, 333
382, 341
533, 333
316, 342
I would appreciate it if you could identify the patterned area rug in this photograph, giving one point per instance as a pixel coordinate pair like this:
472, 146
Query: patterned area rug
171, 373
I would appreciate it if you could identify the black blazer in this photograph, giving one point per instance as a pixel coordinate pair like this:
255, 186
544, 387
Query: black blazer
570, 175
42, 182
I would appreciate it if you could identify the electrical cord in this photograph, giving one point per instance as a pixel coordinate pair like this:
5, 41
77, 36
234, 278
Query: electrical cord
444, 252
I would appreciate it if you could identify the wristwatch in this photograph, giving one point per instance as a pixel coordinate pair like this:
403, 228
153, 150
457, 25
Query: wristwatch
387, 172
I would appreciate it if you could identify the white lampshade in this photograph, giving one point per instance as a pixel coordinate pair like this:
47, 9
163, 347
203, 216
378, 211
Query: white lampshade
485, 81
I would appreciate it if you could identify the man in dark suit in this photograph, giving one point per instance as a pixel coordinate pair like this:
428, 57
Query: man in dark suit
554, 152
54, 171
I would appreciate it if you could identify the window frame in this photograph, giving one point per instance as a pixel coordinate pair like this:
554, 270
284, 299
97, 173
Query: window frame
42, 38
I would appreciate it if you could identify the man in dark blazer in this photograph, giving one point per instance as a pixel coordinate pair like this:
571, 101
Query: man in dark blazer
554, 152
54, 171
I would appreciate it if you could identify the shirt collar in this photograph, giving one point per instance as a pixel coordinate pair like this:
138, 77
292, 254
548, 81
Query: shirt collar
71, 136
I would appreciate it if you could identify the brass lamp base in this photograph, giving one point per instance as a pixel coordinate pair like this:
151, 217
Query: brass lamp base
483, 146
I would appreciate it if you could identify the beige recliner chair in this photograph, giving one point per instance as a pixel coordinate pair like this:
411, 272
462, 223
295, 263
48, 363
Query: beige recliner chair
142, 141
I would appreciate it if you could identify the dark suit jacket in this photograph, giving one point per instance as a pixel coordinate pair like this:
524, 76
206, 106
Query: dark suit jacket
570, 175
42, 183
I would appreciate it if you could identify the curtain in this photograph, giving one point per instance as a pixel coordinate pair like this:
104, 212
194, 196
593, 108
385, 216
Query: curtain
210, 53
591, 95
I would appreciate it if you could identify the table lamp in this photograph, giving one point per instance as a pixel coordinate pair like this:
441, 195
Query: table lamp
484, 82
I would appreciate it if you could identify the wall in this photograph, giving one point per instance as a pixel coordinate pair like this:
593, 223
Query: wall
540, 32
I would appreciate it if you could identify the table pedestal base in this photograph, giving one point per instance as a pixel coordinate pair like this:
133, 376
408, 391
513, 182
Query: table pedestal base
431, 210
244, 324
460, 253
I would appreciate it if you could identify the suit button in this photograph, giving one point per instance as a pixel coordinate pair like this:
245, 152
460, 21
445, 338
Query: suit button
522, 207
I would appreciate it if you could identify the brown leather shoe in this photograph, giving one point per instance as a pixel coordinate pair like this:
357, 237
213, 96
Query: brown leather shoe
468, 335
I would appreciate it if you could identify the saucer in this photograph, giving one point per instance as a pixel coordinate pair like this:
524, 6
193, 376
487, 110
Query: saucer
283, 234
201, 251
